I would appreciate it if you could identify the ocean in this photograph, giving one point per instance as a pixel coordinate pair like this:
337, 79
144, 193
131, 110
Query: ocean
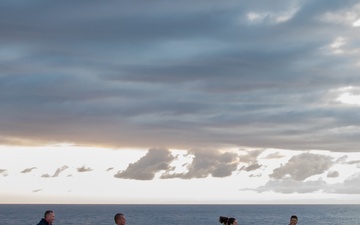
28, 214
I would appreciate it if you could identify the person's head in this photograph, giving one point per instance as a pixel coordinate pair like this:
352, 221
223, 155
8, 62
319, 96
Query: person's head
293, 220
49, 216
227, 221
119, 219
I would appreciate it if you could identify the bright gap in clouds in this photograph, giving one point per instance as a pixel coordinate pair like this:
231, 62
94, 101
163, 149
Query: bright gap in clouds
356, 23
349, 95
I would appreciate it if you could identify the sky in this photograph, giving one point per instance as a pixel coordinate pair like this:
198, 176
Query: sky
180, 102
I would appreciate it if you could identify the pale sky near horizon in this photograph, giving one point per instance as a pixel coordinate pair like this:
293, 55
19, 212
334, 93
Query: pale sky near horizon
239, 102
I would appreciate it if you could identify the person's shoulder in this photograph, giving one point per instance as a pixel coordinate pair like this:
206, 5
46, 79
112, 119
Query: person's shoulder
42, 222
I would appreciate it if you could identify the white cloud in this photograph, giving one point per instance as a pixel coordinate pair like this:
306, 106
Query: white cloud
356, 23
344, 17
337, 44
349, 95
271, 17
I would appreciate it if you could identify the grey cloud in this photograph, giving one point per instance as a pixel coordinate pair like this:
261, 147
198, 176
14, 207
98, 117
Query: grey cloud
57, 172
251, 167
276, 155
36, 190
110, 168
350, 185
28, 170
303, 166
342, 159
354, 162
198, 74
333, 174
255, 175
208, 162
287, 186
145, 168
250, 158
3, 172
84, 169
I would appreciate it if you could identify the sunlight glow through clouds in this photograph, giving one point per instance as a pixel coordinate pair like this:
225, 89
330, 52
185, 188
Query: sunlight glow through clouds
348, 18
356, 23
349, 95
270, 17
337, 44
349, 98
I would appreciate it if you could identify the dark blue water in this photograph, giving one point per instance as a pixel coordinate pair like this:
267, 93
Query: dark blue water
182, 214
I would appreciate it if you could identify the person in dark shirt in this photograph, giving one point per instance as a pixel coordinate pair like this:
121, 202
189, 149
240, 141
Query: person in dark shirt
49, 217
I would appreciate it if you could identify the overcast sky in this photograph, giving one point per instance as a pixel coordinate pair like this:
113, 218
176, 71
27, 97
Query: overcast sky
261, 95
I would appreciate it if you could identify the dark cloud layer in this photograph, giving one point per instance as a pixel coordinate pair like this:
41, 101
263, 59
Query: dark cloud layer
184, 75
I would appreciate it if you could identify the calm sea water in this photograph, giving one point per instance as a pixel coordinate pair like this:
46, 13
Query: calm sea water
182, 214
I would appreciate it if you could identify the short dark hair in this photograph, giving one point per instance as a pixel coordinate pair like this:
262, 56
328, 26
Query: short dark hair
226, 221
293, 217
117, 216
47, 212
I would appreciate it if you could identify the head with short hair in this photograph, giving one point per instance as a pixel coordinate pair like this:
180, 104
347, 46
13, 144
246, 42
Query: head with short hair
119, 219
227, 221
293, 220
49, 216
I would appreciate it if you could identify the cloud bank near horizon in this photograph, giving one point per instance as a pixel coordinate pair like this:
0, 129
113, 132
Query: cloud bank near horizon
304, 172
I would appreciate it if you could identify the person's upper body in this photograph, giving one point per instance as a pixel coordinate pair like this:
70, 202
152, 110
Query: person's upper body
120, 219
228, 221
293, 220
49, 217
